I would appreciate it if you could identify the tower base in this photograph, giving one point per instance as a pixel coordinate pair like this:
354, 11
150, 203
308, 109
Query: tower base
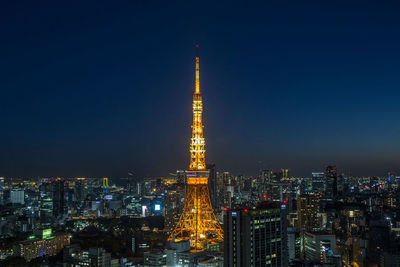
198, 223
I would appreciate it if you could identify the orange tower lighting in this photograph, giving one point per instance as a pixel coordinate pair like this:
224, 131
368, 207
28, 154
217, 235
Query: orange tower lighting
105, 182
197, 222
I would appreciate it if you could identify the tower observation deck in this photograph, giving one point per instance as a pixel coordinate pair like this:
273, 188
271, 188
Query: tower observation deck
197, 222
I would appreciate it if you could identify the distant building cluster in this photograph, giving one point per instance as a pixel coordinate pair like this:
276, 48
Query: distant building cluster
271, 219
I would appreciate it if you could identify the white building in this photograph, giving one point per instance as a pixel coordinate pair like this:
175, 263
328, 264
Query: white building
318, 245
17, 197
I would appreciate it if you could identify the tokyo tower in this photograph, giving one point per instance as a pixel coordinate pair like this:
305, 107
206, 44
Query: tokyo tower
197, 222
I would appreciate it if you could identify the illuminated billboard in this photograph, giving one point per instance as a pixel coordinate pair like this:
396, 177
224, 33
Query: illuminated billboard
46, 233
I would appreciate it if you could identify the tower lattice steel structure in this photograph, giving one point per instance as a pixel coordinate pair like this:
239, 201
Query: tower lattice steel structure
197, 222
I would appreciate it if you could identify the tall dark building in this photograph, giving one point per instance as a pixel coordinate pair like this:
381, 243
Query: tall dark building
331, 181
130, 184
80, 189
212, 185
256, 237
58, 197
1, 190
46, 203
265, 180
341, 186
318, 182
276, 177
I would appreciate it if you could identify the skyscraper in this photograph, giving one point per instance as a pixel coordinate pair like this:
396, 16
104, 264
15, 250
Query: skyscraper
294, 243
307, 212
58, 197
1, 190
173, 205
212, 185
256, 237
46, 204
197, 222
331, 181
80, 189
318, 182
265, 178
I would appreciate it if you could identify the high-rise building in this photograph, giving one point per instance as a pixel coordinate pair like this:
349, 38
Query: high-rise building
174, 201
58, 197
17, 196
1, 190
276, 177
99, 257
307, 212
73, 256
318, 182
139, 189
212, 185
331, 181
390, 259
265, 179
46, 204
132, 244
247, 184
69, 195
342, 186
181, 176
198, 222
307, 215
256, 237
294, 243
319, 246
130, 184
80, 188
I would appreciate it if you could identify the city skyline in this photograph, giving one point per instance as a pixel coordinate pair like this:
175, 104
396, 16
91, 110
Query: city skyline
94, 94
220, 134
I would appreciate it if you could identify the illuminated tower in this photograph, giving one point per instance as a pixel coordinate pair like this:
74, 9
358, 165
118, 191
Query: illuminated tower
105, 182
105, 185
197, 222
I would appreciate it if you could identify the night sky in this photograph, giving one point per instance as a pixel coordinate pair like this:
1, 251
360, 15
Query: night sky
105, 88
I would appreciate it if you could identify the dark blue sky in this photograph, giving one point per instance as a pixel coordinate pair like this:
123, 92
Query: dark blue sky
103, 88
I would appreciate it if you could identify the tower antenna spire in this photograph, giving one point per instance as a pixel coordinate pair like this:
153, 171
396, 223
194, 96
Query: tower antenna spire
197, 84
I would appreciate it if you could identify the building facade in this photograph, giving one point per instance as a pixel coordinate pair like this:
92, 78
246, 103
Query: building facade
45, 246
256, 237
